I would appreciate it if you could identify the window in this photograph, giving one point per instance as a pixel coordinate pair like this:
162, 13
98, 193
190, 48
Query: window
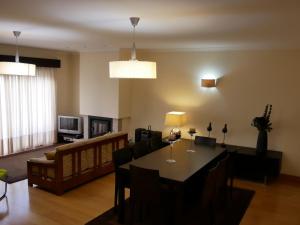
27, 111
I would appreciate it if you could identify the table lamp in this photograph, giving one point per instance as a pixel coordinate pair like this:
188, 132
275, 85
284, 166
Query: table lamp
175, 120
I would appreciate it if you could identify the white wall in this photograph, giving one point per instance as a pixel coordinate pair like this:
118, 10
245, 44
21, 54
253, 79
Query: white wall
98, 94
248, 81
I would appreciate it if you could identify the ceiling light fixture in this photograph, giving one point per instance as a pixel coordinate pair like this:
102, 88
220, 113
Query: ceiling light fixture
17, 68
132, 68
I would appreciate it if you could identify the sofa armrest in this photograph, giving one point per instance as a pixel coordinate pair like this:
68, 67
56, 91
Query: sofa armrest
40, 170
41, 161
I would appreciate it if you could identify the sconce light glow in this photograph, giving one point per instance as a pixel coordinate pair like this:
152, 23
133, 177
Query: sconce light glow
209, 77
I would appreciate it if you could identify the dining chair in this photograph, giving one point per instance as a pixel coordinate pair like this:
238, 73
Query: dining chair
223, 195
156, 141
145, 196
204, 212
227, 172
231, 170
223, 176
201, 140
121, 157
208, 195
3, 177
140, 149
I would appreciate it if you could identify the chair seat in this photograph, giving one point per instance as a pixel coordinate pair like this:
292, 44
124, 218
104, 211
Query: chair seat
3, 173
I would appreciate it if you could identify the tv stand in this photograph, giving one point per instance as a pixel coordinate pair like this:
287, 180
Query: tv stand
68, 138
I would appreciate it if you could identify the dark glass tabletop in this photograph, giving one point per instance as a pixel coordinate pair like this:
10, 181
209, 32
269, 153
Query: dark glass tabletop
187, 163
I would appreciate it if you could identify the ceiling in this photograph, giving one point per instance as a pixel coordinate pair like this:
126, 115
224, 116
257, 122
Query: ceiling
100, 25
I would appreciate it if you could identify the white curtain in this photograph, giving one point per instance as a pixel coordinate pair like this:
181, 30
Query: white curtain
27, 111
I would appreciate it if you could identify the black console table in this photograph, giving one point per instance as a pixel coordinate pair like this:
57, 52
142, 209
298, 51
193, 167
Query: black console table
250, 165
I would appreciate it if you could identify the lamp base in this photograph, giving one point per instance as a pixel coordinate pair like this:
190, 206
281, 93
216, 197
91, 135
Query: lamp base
171, 161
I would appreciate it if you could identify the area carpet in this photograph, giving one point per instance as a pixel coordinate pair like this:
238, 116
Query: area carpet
16, 164
232, 214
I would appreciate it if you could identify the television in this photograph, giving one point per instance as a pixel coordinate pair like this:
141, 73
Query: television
70, 124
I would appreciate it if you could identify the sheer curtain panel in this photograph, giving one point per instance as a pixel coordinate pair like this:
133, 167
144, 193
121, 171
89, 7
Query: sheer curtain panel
27, 111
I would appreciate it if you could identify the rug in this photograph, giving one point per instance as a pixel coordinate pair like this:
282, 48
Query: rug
16, 164
232, 215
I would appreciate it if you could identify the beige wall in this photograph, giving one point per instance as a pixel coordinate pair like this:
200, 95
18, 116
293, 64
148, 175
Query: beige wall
100, 95
248, 81
75, 80
66, 81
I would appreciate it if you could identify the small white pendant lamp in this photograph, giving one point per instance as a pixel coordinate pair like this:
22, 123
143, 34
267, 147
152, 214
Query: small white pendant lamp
132, 68
17, 68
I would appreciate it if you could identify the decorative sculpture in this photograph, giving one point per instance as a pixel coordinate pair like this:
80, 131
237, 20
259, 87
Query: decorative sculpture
264, 126
224, 130
209, 129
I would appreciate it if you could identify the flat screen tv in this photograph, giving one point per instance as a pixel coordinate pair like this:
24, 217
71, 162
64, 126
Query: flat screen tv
70, 124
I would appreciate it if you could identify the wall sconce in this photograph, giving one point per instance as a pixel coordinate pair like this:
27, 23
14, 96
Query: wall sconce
208, 83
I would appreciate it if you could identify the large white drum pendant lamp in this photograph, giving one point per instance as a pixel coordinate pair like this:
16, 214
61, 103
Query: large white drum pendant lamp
132, 68
17, 68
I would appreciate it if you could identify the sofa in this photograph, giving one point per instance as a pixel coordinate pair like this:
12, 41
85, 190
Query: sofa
76, 163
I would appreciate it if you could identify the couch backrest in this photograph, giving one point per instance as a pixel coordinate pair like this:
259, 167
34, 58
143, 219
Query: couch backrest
89, 141
80, 157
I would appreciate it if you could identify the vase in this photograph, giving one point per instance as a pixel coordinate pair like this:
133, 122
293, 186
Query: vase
262, 142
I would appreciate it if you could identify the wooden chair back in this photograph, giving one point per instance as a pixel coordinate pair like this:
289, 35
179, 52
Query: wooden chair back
122, 156
223, 173
144, 194
140, 149
145, 185
209, 189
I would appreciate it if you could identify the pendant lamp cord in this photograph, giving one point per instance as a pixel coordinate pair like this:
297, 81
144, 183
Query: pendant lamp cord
133, 50
17, 51
17, 34
134, 22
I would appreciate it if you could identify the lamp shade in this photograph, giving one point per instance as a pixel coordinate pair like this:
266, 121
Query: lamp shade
175, 119
15, 68
132, 69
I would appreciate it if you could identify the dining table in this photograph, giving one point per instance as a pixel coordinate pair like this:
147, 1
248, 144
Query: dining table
187, 160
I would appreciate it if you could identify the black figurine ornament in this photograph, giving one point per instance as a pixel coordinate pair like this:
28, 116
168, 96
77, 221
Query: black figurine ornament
263, 126
224, 130
209, 129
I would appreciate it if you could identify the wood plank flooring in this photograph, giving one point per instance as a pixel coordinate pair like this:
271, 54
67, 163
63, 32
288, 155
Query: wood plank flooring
275, 204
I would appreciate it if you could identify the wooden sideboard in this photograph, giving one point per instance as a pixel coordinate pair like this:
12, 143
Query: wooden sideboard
250, 165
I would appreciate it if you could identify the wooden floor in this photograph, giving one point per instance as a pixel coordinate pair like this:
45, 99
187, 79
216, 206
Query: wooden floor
278, 203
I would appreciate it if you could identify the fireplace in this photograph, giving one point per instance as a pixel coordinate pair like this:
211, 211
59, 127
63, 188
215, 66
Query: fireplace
98, 126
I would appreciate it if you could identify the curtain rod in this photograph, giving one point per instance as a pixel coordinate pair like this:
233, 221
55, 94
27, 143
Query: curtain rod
40, 62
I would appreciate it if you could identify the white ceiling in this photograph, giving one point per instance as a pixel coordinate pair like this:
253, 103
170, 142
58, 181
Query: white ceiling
99, 25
